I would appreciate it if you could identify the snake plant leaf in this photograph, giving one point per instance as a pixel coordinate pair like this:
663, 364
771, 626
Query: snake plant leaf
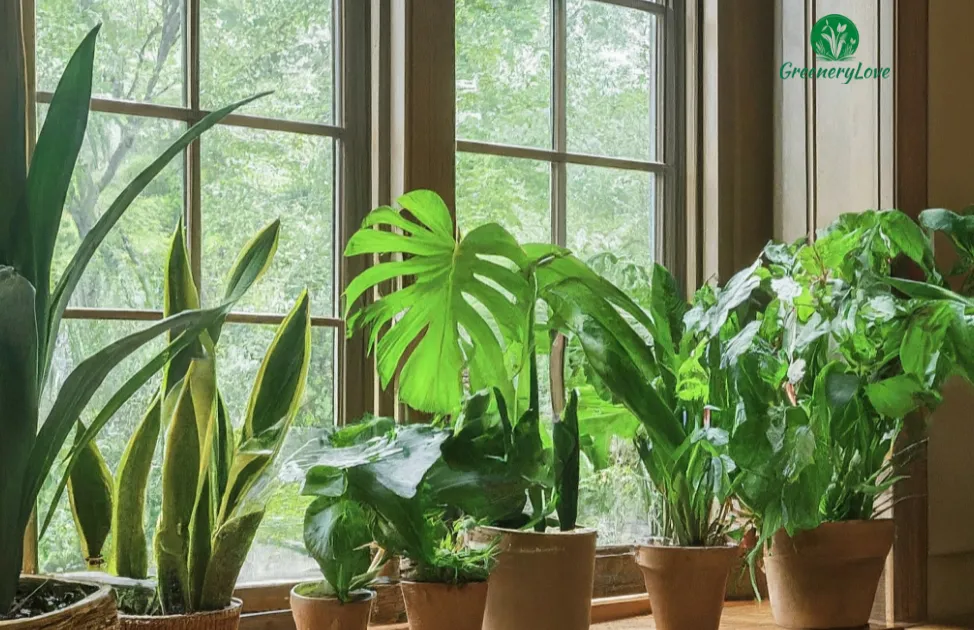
79, 262
90, 489
18, 399
567, 462
180, 477
51, 168
274, 401
130, 558
205, 410
337, 534
13, 136
253, 261
179, 294
231, 544
452, 295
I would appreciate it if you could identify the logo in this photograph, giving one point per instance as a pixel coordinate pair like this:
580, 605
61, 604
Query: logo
834, 39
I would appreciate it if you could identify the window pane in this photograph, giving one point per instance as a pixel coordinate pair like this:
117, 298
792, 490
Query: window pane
611, 210
278, 551
612, 80
513, 192
504, 71
127, 270
251, 177
249, 46
60, 549
140, 46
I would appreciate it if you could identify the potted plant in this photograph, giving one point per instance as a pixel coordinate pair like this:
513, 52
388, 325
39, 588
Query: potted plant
842, 354
465, 322
675, 377
338, 534
208, 518
30, 319
396, 478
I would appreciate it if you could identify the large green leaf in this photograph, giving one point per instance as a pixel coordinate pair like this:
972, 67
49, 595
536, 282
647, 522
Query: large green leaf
231, 544
567, 460
90, 489
337, 534
18, 421
13, 139
51, 168
457, 287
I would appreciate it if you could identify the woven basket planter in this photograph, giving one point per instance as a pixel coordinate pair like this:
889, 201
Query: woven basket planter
95, 612
226, 619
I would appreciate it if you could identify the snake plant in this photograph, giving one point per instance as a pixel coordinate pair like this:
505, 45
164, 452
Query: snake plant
208, 522
33, 302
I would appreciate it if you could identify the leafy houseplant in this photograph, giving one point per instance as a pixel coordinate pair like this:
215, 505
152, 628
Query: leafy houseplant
208, 521
842, 354
394, 481
465, 325
30, 319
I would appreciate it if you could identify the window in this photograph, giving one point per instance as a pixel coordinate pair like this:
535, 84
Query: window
567, 132
160, 65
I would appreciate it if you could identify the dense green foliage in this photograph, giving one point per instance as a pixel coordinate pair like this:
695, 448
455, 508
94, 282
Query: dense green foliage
338, 535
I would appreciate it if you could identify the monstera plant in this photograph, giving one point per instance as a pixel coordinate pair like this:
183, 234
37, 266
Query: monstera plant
207, 522
34, 301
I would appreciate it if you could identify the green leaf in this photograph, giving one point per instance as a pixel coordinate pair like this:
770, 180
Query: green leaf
51, 167
337, 534
19, 400
231, 544
90, 489
896, 396
456, 290
924, 340
130, 556
251, 264
567, 461
13, 139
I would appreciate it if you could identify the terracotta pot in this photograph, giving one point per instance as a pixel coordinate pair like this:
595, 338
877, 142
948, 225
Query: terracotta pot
686, 585
541, 581
319, 613
94, 612
226, 619
435, 606
827, 577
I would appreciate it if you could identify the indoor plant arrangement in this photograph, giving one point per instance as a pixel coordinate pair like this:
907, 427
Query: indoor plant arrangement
30, 320
466, 323
338, 534
840, 357
208, 520
384, 475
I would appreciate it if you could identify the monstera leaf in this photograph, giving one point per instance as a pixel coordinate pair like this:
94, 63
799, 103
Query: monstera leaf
462, 294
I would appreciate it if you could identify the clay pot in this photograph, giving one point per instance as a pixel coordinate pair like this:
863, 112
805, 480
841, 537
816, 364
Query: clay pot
318, 613
686, 585
827, 577
436, 606
541, 581
226, 619
95, 612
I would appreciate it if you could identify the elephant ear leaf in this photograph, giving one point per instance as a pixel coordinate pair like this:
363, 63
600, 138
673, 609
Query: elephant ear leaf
460, 290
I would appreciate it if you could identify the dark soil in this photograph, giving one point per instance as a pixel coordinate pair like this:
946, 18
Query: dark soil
40, 597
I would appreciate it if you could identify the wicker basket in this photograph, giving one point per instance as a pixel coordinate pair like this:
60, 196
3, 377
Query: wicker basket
95, 612
226, 619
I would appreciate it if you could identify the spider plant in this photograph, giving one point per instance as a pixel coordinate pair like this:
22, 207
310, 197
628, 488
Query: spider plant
34, 301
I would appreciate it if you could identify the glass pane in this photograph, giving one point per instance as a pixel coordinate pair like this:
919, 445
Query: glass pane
140, 46
249, 46
250, 178
504, 71
611, 210
127, 270
278, 551
619, 500
612, 80
60, 549
513, 192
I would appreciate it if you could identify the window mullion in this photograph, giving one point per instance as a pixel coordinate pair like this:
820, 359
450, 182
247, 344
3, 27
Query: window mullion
559, 119
191, 175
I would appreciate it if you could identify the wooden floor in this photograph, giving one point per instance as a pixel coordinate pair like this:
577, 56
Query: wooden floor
739, 617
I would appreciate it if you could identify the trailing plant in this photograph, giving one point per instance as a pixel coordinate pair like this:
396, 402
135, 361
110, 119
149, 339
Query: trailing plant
841, 355
385, 473
465, 323
34, 302
208, 518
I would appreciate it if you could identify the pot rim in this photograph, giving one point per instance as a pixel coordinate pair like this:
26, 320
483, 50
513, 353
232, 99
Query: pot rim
447, 584
578, 531
101, 591
367, 594
235, 604
697, 549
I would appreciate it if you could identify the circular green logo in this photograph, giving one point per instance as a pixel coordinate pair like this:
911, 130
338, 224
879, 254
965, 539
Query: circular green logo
834, 38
